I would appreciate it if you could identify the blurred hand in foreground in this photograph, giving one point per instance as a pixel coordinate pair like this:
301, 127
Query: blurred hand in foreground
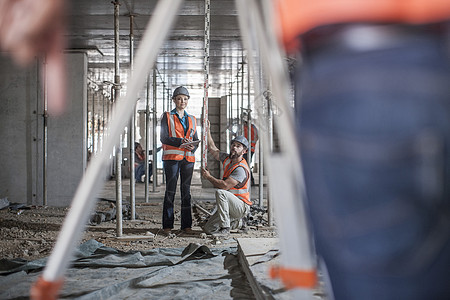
30, 28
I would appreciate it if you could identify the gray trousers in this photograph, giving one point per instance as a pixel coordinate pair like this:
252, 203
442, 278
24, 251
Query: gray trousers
230, 210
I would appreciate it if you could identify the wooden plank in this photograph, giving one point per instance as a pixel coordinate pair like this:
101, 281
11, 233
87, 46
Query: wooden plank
250, 250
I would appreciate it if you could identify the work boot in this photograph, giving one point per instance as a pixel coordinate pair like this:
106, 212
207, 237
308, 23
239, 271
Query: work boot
222, 232
167, 231
187, 230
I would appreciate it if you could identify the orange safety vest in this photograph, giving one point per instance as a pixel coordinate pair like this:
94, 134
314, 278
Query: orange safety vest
242, 191
254, 136
176, 130
298, 16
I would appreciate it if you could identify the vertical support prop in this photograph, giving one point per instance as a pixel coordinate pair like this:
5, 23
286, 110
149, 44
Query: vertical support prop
92, 181
147, 134
206, 83
155, 177
249, 121
132, 136
45, 138
116, 97
284, 164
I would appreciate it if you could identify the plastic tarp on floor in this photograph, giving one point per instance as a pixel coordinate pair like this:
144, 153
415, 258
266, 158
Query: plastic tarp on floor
99, 272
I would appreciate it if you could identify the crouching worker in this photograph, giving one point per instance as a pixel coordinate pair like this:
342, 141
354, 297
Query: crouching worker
139, 163
232, 197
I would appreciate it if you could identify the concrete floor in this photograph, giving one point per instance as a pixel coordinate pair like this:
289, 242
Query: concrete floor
253, 252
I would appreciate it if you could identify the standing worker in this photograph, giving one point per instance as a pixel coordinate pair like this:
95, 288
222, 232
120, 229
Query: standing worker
178, 128
373, 105
232, 197
253, 140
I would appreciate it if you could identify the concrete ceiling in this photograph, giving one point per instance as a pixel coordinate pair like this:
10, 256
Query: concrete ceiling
180, 62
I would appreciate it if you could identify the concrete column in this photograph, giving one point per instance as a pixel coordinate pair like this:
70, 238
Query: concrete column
67, 136
20, 99
21, 132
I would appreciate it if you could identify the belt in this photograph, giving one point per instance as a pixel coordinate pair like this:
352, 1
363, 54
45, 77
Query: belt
360, 37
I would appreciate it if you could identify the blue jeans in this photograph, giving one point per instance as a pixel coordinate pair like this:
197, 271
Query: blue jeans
374, 131
140, 170
173, 169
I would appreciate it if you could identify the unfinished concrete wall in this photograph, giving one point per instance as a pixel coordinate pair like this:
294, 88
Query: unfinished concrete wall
67, 136
19, 101
21, 134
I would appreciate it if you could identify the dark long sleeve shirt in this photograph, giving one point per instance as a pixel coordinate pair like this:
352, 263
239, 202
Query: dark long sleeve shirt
165, 138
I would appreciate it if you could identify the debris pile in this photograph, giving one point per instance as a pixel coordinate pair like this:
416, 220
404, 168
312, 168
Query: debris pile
110, 214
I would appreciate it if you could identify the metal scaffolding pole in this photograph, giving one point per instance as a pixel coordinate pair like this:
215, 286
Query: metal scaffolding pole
98, 122
93, 123
103, 120
45, 139
132, 132
284, 165
206, 83
241, 104
262, 136
238, 119
116, 97
230, 115
91, 183
147, 135
155, 177
249, 122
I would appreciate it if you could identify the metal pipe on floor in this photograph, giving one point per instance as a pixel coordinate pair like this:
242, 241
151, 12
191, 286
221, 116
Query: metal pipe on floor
132, 132
119, 216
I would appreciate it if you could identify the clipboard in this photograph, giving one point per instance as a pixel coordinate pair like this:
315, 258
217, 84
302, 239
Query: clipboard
193, 143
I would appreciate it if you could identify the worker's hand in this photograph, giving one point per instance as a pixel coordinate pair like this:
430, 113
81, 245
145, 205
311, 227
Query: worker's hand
29, 28
190, 147
205, 173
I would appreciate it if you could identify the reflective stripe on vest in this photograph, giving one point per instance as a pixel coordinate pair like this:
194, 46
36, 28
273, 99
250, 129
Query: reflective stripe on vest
242, 192
176, 130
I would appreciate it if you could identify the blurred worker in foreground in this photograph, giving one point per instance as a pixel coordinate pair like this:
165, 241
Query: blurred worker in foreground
253, 140
178, 131
373, 103
232, 197
30, 28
